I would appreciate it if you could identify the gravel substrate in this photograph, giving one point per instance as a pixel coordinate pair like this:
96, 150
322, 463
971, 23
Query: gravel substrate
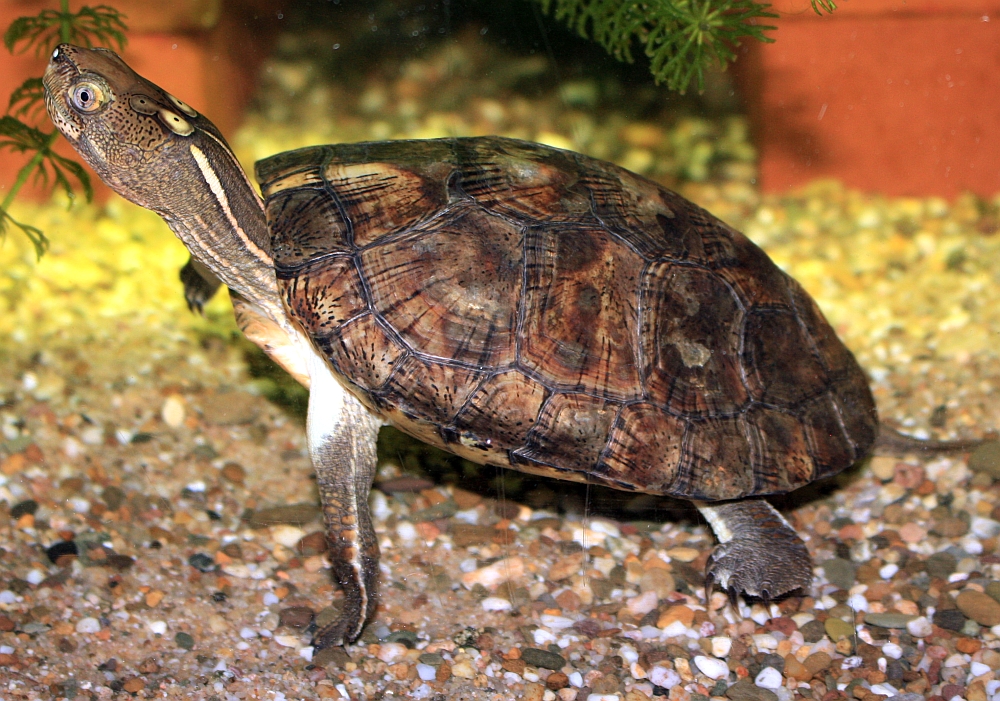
159, 532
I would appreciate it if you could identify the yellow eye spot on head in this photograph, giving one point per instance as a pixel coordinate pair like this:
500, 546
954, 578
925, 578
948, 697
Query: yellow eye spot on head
182, 106
143, 104
88, 97
176, 123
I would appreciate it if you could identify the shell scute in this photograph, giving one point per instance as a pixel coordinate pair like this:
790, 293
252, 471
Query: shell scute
772, 336
429, 391
362, 352
362, 189
645, 448
579, 326
480, 425
571, 432
452, 291
691, 325
307, 224
325, 295
525, 181
716, 461
781, 460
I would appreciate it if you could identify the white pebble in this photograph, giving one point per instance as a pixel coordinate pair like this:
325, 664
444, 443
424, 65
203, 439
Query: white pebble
470, 516
885, 689
992, 686
379, 505
158, 627
35, 577
88, 625
605, 527
543, 637
306, 653
892, 650
196, 486
721, 646
286, 535
426, 672
768, 678
920, 627
508, 568
888, 571
603, 697
79, 505
556, 622
406, 531
628, 653
765, 641
576, 679
240, 570
496, 603
644, 603
7, 597
92, 435
857, 602
978, 668
711, 667
664, 676
72, 448
248, 633
287, 640
270, 599
390, 653
6, 650
172, 412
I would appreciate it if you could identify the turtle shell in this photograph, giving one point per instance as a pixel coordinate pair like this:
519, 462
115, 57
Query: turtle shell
525, 306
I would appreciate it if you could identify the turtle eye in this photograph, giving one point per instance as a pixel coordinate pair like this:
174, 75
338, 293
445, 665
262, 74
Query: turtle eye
88, 97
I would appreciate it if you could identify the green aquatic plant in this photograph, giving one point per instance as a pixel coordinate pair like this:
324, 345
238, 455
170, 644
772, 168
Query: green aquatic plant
19, 130
681, 38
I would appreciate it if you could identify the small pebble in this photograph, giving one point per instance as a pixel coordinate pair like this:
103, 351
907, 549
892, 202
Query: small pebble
768, 678
640, 605
711, 667
721, 646
919, 627
495, 603
391, 653
542, 658
158, 627
663, 676
426, 672
88, 625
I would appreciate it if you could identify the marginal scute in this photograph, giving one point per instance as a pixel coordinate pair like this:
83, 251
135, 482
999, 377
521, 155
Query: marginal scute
306, 224
823, 426
363, 352
781, 459
645, 448
429, 391
717, 454
324, 295
691, 341
501, 412
571, 432
452, 291
580, 316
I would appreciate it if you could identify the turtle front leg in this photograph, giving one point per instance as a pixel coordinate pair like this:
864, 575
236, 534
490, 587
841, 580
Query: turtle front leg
200, 284
758, 554
342, 434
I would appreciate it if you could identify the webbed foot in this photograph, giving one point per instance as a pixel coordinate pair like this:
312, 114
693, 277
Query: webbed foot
759, 554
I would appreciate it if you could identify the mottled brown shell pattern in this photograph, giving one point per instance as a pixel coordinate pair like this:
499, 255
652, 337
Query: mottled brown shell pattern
526, 306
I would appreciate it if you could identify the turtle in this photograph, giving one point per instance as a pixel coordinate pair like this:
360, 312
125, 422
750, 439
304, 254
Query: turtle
515, 304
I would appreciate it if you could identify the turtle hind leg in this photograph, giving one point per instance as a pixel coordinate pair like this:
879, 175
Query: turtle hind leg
342, 434
759, 553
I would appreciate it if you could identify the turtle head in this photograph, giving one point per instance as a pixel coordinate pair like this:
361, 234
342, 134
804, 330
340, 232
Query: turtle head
157, 152
130, 131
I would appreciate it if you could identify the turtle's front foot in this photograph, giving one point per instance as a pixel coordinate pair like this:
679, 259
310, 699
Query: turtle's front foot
759, 554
